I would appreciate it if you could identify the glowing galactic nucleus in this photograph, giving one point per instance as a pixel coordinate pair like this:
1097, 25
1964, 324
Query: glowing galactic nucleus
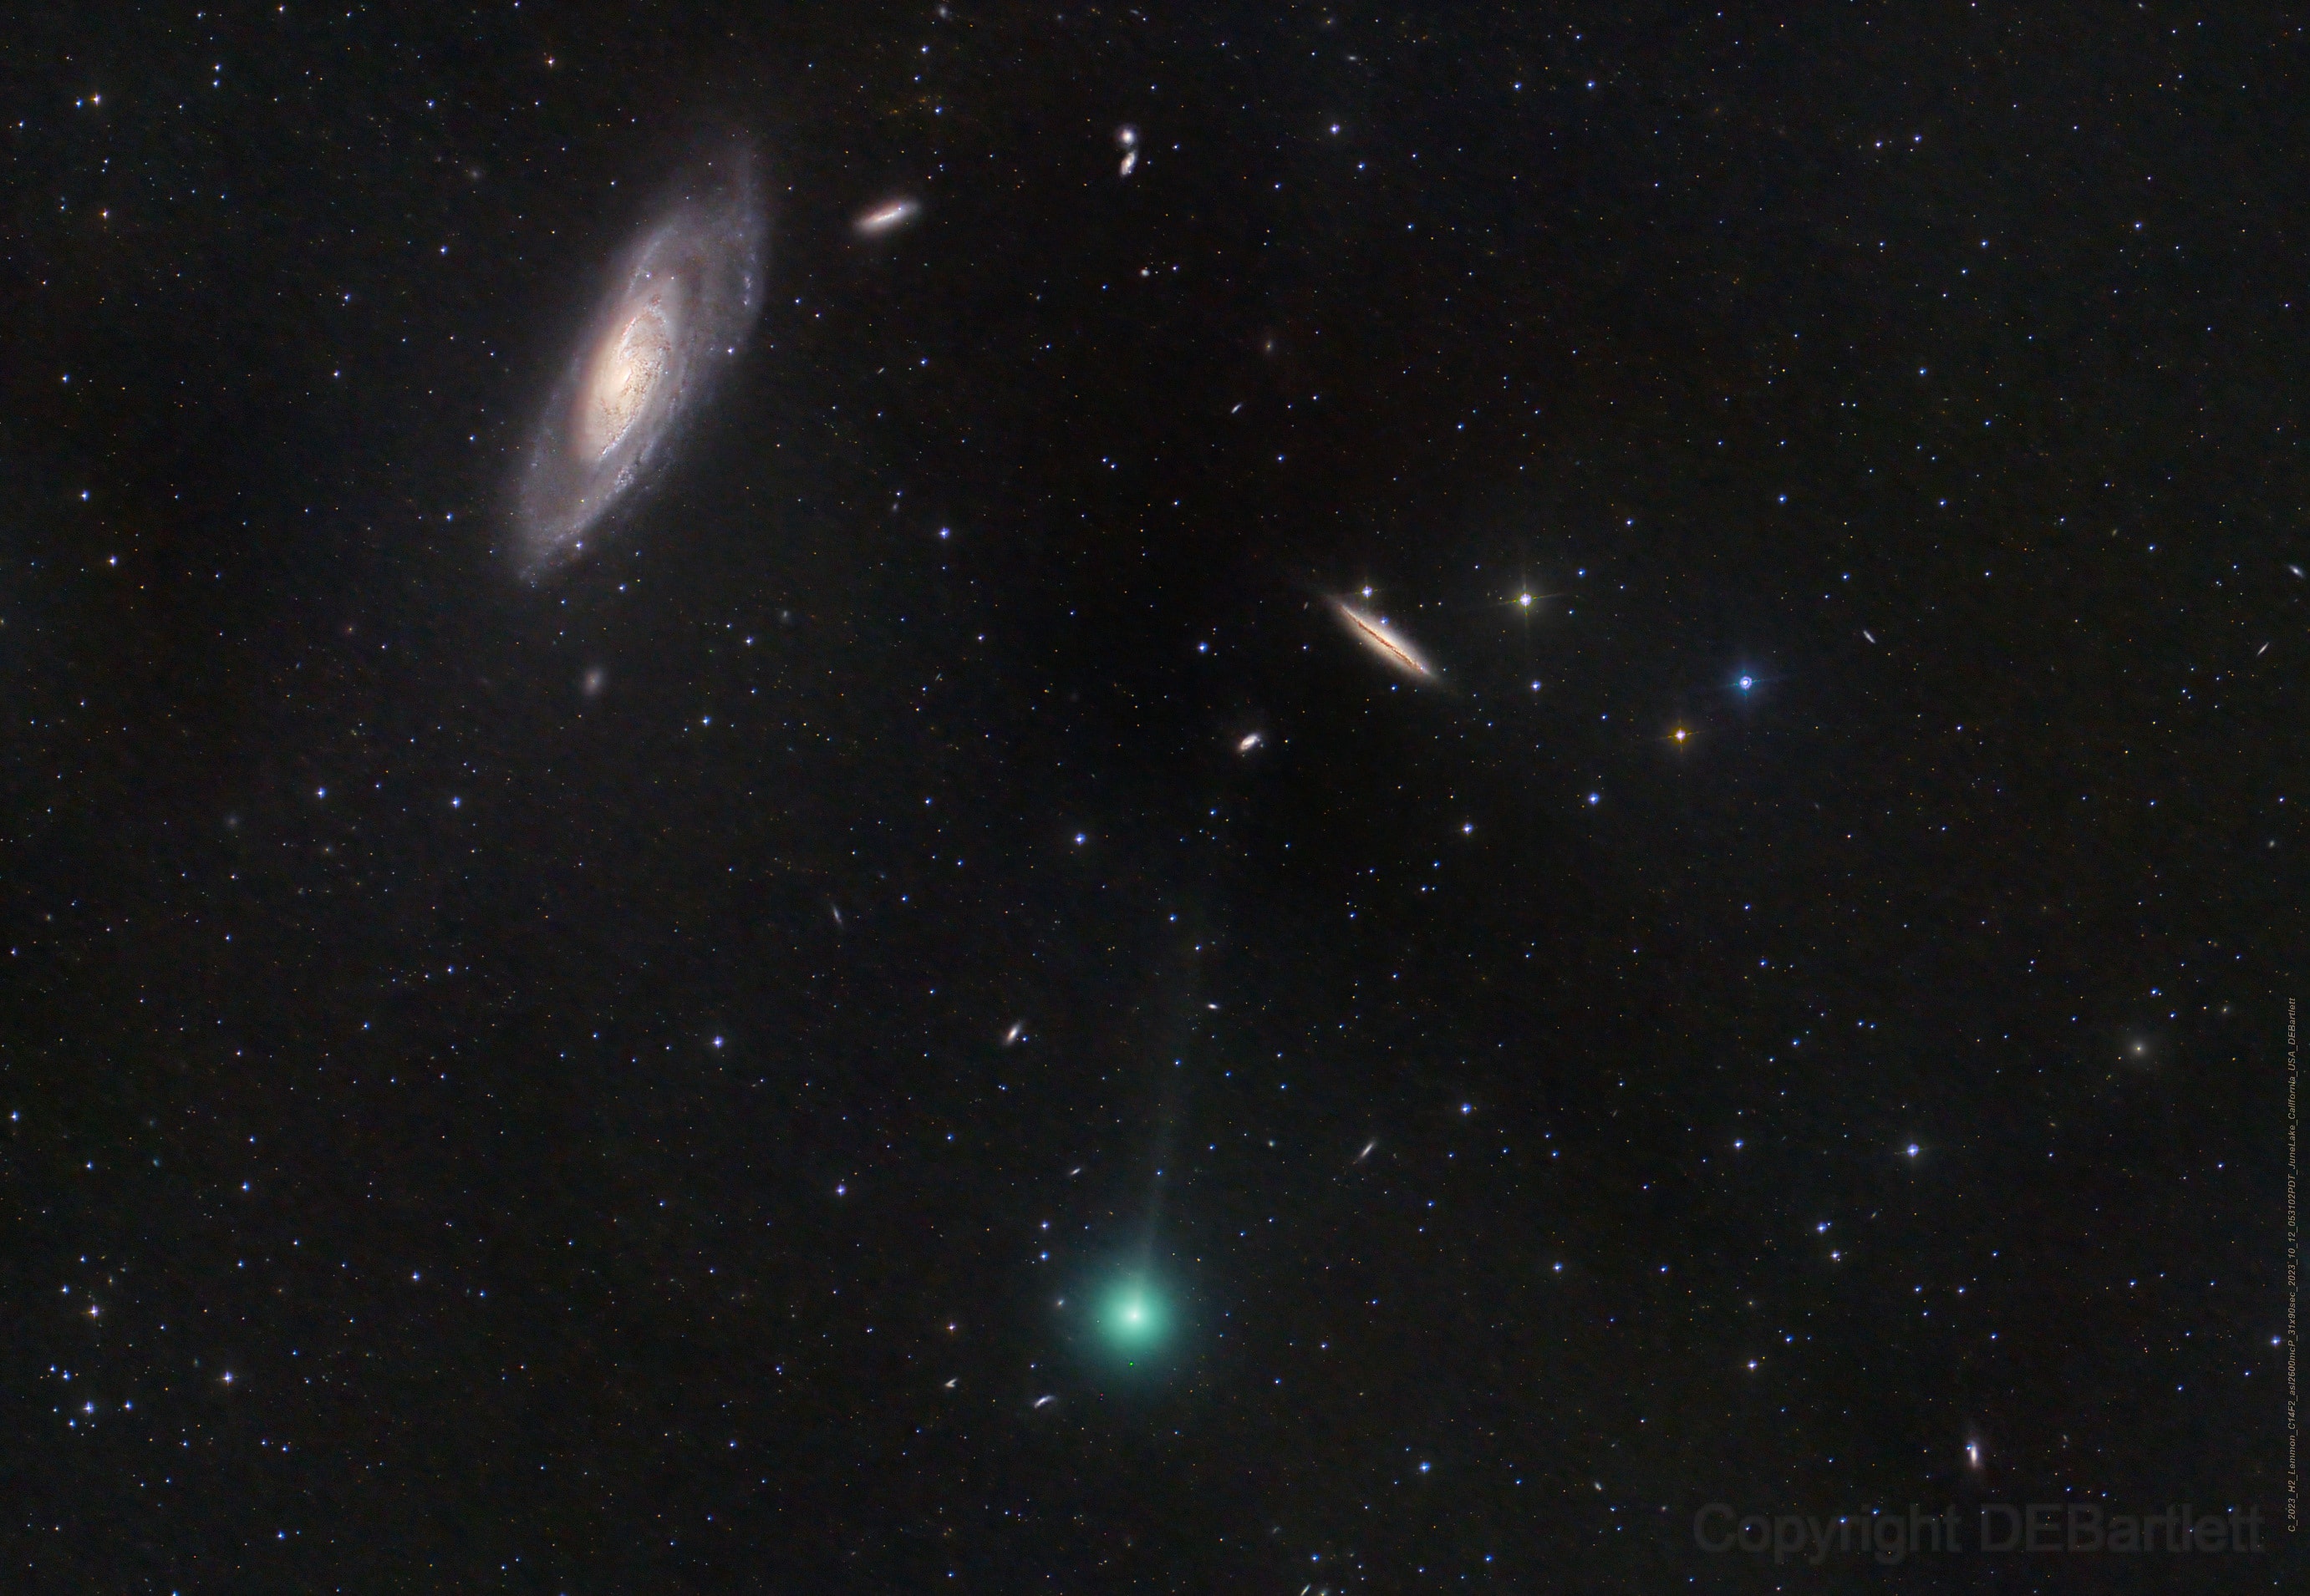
679, 305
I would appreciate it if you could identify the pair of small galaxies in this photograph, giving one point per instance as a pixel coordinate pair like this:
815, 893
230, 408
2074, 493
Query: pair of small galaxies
892, 214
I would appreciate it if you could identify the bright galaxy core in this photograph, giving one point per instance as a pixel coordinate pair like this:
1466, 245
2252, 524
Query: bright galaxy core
626, 373
681, 302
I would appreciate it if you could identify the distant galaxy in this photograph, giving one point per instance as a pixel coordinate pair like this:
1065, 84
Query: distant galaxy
1378, 635
680, 303
886, 217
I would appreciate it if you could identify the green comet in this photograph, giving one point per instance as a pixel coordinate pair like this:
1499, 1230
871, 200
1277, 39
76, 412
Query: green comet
1134, 1319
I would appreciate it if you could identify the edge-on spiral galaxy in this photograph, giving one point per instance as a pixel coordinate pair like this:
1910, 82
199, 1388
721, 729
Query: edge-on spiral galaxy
679, 304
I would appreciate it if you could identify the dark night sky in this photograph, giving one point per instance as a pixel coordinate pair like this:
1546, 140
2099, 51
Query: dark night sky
452, 1142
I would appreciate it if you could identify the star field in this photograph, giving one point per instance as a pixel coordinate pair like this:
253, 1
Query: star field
926, 1016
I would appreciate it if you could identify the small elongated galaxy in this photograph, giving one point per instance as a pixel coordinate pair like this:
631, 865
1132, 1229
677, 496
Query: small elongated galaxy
678, 305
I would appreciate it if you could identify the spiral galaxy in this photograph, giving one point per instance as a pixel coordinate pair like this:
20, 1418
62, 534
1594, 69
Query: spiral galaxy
680, 303
1383, 640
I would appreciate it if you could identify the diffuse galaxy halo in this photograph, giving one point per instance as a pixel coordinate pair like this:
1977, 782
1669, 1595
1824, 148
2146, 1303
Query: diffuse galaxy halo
678, 305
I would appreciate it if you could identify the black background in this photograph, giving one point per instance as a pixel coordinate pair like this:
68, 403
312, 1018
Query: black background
476, 1071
